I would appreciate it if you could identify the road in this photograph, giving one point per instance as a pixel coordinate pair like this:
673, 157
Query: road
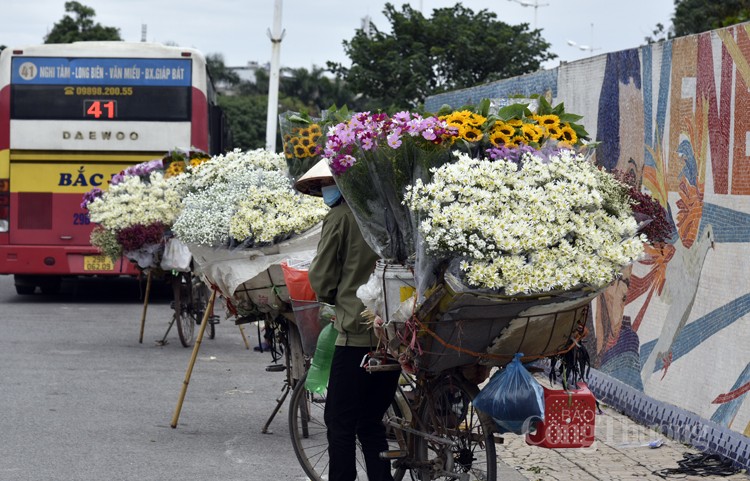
83, 400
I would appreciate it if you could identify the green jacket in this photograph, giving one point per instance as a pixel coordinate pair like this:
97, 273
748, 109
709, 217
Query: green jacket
343, 262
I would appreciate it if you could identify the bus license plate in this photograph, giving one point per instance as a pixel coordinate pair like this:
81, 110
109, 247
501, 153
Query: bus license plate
97, 263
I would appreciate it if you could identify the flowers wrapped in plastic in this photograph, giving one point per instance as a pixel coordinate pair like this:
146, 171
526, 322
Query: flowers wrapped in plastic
551, 222
374, 158
140, 204
303, 138
240, 219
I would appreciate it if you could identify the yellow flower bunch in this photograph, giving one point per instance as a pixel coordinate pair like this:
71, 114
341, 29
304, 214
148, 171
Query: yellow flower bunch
176, 167
198, 161
302, 142
468, 123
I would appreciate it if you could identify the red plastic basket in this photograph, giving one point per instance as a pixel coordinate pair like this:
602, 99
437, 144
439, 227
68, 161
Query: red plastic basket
569, 419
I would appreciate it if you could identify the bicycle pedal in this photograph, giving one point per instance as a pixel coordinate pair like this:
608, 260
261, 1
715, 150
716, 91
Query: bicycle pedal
214, 320
498, 439
275, 368
394, 454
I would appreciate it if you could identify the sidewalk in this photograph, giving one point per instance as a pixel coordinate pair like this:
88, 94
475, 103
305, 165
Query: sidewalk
621, 452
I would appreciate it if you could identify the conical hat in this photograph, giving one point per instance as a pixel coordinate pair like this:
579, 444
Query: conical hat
311, 181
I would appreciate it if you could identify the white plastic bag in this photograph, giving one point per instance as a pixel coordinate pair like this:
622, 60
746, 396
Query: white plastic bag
176, 257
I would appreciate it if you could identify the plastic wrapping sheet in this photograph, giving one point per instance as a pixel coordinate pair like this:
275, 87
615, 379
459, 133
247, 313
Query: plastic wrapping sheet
253, 276
374, 188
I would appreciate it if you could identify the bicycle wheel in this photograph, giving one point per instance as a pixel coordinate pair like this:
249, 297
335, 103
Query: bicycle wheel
309, 435
181, 290
308, 431
449, 414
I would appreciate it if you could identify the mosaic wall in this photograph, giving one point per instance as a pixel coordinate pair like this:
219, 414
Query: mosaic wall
677, 114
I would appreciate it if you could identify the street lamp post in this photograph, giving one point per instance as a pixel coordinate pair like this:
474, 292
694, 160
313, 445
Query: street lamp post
273, 84
590, 48
529, 3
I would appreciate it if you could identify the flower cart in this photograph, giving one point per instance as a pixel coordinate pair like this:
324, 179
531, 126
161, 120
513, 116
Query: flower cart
240, 220
134, 217
494, 227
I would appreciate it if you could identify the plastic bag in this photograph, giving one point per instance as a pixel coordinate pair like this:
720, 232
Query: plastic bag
298, 283
513, 398
176, 257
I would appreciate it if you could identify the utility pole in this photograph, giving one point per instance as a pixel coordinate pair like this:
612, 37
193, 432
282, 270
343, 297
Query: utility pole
528, 3
273, 84
586, 48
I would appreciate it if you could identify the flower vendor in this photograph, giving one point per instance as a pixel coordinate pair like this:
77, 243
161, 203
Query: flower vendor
356, 400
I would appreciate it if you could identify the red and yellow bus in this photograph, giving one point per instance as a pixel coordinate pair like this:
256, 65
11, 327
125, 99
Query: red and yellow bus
71, 117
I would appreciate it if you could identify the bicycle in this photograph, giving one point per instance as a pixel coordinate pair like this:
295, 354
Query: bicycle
433, 430
190, 299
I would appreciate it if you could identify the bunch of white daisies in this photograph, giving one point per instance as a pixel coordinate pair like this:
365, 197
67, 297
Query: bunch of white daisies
552, 222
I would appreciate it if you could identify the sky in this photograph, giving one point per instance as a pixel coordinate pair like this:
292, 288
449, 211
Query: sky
315, 29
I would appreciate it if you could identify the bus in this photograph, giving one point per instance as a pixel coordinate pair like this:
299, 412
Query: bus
72, 116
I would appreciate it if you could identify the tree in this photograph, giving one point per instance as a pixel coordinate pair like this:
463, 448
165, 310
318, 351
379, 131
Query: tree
80, 28
220, 74
316, 91
455, 48
695, 16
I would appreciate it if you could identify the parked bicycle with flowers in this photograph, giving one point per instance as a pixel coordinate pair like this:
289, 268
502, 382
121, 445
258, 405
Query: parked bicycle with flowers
509, 231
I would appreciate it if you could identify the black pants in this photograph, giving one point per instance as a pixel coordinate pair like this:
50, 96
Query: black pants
355, 405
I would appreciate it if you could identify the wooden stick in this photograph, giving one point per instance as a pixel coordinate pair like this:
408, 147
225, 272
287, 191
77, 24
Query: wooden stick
145, 305
196, 347
244, 338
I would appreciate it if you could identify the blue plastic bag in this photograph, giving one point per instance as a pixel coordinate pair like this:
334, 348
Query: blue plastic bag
513, 398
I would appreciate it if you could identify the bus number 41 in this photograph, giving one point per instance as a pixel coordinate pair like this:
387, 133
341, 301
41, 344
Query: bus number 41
100, 108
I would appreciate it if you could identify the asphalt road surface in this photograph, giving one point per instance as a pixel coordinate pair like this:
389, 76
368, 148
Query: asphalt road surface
82, 400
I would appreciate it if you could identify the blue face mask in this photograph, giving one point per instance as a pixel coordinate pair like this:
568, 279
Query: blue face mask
331, 194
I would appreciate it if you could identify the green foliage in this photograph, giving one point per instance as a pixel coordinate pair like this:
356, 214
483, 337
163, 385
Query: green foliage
219, 71
246, 115
80, 28
455, 48
695, 16
300, 90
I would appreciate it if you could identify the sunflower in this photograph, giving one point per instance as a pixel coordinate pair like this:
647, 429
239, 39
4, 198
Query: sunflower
568, 134
471, 133
312, 150
498, 138
514, 122
554, 132
504, 128
531, 132
456, 119
300, 151
516, 141
476, 120
197, 161
175, 168
315, 130
550, 120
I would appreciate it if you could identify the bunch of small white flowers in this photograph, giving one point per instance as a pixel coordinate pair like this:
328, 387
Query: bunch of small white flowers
549, 224
251, 206
138, 201
268, 214
223, 168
